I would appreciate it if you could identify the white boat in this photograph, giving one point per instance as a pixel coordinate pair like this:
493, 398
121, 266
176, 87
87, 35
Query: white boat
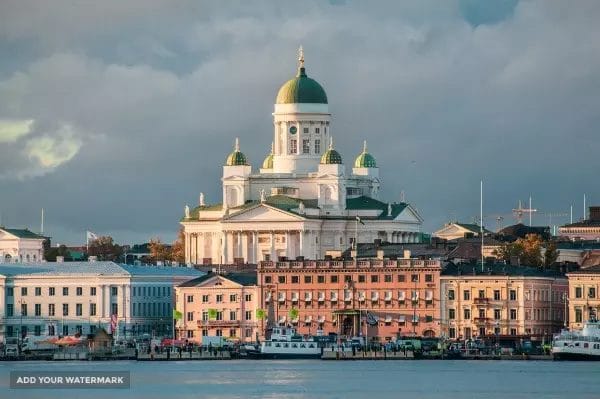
285, 343
578, 345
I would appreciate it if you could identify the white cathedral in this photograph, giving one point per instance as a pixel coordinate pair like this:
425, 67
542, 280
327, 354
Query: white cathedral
302, 203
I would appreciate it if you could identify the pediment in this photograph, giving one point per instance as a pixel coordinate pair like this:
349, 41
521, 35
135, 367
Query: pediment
218, 282
263, 213
409, 215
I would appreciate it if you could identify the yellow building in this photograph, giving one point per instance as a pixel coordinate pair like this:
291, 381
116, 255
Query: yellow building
584, 303
502, 300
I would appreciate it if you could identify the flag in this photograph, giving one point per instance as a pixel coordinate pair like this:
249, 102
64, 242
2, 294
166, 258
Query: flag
113, 323
359, 220
89, 236
177, 315
212, 314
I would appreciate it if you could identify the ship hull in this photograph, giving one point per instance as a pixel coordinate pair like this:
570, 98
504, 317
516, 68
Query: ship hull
262, 355
575, 356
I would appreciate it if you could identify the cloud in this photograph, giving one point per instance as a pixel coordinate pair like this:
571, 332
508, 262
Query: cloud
13, 130
50, 152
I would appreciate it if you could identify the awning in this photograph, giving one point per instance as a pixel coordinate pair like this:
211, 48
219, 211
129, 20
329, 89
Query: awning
282, 320
281, 297
347, 295
415, 296
294, 296
294, 321
401, 295
321, 296
334, 296
428, 295
362, 296
268, 296
388, 319
308, 296
321, 319
308, 319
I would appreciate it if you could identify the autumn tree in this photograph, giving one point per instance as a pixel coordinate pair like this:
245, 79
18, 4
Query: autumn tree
178, 248
51, 253
159, 252
529, 250
551, 254
104, 248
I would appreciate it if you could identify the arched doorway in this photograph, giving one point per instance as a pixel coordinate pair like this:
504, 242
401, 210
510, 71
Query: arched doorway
429, 333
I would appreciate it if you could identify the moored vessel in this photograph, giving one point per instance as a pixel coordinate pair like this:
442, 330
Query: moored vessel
578, 345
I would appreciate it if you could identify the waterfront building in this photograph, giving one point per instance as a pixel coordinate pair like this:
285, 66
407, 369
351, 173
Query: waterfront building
219, 305
584, 302
588, 229
302, 202
21, 245
80, 297
382, 299
501, 300
455, 230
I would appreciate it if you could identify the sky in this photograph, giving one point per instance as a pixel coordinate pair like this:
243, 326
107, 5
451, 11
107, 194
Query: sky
114, 115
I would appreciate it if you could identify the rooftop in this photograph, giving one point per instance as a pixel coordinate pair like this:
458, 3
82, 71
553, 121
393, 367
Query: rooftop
92, 269
498, 269
23, 233
243, 278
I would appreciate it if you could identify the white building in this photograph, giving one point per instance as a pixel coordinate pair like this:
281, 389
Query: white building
302, 202
21, 245
67, 298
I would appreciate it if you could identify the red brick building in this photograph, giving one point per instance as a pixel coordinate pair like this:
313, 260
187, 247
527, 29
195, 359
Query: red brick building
380, 298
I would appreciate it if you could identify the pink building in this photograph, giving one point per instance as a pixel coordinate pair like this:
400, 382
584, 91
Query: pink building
218, 305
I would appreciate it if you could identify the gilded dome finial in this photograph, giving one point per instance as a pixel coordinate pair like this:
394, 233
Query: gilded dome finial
237, 144
365, 146
300, 57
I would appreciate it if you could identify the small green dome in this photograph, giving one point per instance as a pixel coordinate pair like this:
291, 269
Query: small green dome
268, 162
364, 159
236, 158
331, 157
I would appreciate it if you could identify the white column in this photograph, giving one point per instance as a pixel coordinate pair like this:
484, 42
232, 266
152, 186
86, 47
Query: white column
230, 247
187, 248
223, 247
288, 245
255, 247
301, 242
238, 252
272, 252
245, 251
200, 247
216, 246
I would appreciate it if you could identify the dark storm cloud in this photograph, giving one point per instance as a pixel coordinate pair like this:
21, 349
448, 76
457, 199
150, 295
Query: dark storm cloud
136, 104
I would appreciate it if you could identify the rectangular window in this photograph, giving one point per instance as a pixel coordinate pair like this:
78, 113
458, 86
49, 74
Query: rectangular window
233, 332
190, 333
219, 332
482, 313
38, 309
92, 309
92, 291
321, 279
114, 309
466, 295
10, 310
497, 314
414, 278
451, 314
10, 291
37, 331
113, 291
205, 315
232, 298
38, 291
205, 332
51, 309
190, 316
65, 309
452, 332
401, 278
362, 278
204, 298
190, 299
295, 280
51, 291
65, 291
233, 315
513, 295
219, 316
219, 298
306, 146
317, 146
293, 146
248, 297
305, 130
23, 309
467, 314
578, 315
317, 130
79, 291
496, 295
281, 279
23, 291
307, 279
481, 294
78, 309
592, 292
429, 278
374, 278
334, 279
347, 278
387, 278
450, 295
248, 315
513, 314
268, 279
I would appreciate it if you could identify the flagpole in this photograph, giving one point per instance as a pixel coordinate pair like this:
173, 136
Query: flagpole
356, 239
481, 220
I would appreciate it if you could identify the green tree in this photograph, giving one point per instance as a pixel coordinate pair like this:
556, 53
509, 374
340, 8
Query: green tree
551, 254
51, 253
105, 249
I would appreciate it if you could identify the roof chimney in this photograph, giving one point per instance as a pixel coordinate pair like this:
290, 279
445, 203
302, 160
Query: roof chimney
60, 259
407, 254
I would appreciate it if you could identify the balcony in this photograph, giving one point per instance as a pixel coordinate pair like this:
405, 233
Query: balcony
482, 320
482, 301
219, 323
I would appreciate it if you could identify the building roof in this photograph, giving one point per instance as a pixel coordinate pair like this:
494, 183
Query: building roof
367, 203
242, 278
587, 270
470, 248
396, 250
520, 230
331, 157
93, 269
23, 233
584, 223
236, 158
475, 228
301, 90
498, 269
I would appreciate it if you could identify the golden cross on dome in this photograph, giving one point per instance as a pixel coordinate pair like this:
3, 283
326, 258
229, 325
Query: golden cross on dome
301, 57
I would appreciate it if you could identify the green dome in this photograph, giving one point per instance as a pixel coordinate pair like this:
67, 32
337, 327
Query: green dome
268, 162
330, 157
236, 158
301, 89
364, 159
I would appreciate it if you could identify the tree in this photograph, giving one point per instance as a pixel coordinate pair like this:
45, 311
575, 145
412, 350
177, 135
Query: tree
551, 254
178, 248
532, 250
159, 252
51, 253
105, 249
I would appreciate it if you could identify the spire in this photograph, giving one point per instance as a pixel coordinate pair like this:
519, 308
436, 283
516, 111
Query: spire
331, 142
300, 57
365, 146
237, 144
